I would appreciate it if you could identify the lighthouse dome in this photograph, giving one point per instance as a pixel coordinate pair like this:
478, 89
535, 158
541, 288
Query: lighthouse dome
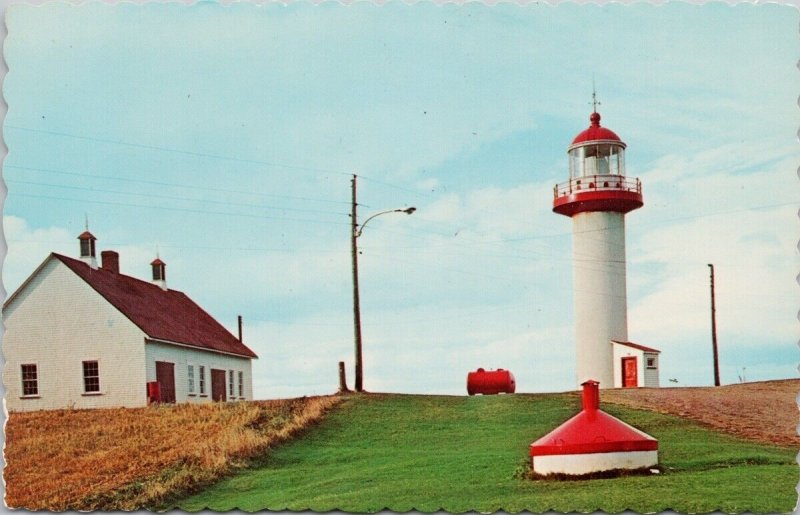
595, 132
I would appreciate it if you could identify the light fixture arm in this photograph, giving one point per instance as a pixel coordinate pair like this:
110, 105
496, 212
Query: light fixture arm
407, 211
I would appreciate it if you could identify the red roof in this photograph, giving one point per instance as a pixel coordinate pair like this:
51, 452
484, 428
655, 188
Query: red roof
637, 346
86, 235
595, 132
592, 431
157, 261
167, 315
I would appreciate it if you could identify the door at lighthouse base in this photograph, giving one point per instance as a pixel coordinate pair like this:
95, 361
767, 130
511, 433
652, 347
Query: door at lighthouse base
630, 377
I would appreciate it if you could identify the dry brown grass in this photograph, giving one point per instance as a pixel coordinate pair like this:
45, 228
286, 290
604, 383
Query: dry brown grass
127, 459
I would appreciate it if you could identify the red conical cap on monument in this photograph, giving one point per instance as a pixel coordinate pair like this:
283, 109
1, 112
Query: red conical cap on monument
593, 431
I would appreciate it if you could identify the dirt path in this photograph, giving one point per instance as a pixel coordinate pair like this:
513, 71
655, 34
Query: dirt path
764, 411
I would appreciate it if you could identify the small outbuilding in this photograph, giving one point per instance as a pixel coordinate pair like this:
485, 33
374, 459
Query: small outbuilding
634, 365
593, 441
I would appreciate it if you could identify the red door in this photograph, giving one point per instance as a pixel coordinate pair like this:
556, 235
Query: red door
630, 378
165, 375
218, 385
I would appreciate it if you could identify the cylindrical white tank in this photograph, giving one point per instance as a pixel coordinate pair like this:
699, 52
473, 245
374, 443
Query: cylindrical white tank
598, 242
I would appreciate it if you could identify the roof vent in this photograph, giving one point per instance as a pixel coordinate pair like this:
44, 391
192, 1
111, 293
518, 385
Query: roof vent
110, 261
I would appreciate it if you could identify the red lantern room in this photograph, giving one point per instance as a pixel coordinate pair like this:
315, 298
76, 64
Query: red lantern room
597, 179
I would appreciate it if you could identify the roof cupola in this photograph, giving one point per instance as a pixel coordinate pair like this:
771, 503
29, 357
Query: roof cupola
159, 273
88, 255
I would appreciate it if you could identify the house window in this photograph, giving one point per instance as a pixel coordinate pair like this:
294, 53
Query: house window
190, 378
30, 380
230, 383
241, 384
651, 362
91, 377
201, 375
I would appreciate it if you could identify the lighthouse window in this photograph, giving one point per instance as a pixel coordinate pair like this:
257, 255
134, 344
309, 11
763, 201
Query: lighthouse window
574, 163
651, 362
597, 159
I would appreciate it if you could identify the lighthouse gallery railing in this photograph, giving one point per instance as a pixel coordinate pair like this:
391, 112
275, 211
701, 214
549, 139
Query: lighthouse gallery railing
597, 183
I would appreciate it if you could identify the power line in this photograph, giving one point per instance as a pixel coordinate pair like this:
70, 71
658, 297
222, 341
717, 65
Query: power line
212, 156
171, 197
167, 208
393, 186
187, 247
174, 184
178, 151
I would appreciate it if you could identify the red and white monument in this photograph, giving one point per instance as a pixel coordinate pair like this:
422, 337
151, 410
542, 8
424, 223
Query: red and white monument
593, 441
597, 196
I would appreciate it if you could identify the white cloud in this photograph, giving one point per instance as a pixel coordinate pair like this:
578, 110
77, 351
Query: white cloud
29, 247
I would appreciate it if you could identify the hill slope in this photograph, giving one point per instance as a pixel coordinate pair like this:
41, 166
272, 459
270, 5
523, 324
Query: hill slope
428, 453
738, 409
113, 459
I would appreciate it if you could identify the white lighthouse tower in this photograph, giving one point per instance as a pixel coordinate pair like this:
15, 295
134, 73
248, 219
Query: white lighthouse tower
597, 196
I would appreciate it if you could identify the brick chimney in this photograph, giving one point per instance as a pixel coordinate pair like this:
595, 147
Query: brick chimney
109, 261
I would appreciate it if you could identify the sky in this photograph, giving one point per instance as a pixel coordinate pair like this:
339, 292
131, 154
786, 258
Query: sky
224, 138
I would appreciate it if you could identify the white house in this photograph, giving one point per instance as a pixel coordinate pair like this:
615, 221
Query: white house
634, 365
78, 335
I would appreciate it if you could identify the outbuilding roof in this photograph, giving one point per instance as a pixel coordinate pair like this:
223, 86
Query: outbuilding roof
166, 315
636, 346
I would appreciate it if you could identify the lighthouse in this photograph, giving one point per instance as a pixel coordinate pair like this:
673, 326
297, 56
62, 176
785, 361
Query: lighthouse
597, 196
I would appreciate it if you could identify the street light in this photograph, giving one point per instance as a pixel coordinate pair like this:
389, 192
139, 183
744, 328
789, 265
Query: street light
354, 234
407, 211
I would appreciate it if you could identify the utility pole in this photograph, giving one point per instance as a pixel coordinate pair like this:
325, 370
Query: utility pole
355, 232
359, 385
714, 329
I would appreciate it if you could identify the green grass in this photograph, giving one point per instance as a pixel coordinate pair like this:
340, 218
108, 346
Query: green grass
428, 453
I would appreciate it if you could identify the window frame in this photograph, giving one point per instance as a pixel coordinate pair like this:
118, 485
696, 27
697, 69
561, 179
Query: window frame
84, 376
23, 380
231, 384
647, 364
87, 247
240, 377
201, 380
191, 382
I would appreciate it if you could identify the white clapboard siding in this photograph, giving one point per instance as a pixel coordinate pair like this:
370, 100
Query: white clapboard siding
56, 322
